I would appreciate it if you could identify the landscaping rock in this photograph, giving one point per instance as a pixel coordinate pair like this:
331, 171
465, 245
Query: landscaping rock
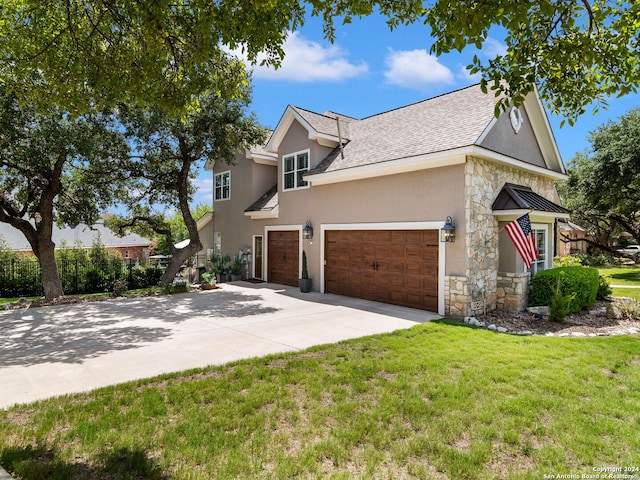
492, 327
502, 330
544, 311
616, 320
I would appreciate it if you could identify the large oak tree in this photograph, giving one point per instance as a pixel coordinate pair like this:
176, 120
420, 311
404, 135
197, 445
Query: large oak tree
167, 154
55, 168
97, 52
603, 190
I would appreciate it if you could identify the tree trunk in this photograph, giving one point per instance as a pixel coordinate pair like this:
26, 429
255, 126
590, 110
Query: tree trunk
179, 256
51, 283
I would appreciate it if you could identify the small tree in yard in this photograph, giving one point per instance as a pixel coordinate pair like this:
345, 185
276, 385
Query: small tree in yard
168, 153
54, 167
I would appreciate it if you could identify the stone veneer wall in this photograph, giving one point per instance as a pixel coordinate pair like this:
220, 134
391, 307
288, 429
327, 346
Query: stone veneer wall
483, 182
512, 294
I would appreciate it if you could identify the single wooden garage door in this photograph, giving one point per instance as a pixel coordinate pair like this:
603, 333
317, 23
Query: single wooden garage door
283, 257
391, 266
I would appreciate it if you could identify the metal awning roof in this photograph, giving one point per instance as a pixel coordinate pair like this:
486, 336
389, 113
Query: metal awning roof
517, 197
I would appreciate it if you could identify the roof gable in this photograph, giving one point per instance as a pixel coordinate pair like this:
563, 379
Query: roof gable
440, 131
323, 128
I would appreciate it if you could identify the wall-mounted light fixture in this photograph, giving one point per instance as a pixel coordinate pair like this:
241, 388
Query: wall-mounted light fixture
307, 231
448, 231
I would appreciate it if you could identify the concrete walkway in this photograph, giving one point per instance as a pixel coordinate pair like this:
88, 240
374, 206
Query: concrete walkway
56, 350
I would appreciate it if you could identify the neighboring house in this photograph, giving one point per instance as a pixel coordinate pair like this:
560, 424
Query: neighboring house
378, 191
131, 246
569, 239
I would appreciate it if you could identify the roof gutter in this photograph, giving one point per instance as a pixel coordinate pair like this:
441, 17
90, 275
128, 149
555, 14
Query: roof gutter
427, 161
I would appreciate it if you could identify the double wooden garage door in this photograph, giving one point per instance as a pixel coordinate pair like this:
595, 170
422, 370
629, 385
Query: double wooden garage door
391, 266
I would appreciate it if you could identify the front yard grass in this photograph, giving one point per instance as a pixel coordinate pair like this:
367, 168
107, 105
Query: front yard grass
437, 401
625, 277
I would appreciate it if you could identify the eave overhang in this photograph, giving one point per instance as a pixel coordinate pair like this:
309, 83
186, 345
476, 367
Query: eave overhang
427, 161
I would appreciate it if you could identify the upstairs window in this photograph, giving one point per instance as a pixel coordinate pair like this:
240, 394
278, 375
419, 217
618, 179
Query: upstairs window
222, 186
294, 167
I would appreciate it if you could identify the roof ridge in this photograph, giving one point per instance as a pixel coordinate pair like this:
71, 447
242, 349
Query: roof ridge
421, 101
324, 114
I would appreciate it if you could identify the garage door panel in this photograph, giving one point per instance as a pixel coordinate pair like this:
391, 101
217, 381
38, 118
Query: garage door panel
283, 257
393, 266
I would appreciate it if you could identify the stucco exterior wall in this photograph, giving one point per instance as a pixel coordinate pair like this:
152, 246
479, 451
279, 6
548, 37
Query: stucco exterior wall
522, 145
423, 196
249, 181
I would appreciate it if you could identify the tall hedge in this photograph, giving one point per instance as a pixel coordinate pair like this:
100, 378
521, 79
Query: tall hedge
583, 281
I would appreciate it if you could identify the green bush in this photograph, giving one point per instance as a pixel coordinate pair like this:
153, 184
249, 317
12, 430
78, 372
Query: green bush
560, 304
568, 261
604, 290
583, 281
598, 260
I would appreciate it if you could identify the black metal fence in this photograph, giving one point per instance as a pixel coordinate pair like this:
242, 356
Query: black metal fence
22, 277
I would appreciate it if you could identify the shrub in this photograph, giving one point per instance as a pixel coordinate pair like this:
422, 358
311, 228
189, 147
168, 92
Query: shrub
604, 290
598, 260
568, 261
583, 281
560, 304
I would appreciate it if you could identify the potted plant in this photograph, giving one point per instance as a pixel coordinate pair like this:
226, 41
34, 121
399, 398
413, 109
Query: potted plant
236, 269
304, 282
208, 281
221, 266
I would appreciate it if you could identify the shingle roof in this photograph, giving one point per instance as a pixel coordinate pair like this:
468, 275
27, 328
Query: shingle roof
517, 197
266, 202
326, 122
446, 122
69, 236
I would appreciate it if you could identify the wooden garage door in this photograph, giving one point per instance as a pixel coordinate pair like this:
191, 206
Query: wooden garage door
283, 257
391, 266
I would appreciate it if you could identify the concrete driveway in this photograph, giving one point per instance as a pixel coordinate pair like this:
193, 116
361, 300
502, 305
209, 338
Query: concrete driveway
62, 349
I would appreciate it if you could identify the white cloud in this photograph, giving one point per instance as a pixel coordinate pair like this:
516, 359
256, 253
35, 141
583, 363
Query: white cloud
463, 74
491, 48
416, 69
204, 191
306, 61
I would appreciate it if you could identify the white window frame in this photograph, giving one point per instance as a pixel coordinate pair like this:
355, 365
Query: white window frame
296, 170
222, 175
542, 263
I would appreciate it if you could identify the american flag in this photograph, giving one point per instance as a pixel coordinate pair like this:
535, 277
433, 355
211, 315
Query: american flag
520, 234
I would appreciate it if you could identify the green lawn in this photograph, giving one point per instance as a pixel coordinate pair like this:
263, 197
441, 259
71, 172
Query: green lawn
436, 401
627, 276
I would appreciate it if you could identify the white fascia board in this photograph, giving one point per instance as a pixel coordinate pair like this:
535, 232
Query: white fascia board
325, 140
285, 122
423, 162
482, 152
262, 158
542, 130
403, 165
259, 215
535, 215
205, 219
486, 131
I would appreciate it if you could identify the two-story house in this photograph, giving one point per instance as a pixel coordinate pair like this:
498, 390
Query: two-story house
367, 200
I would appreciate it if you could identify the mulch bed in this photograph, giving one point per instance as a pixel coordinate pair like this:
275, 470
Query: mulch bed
617, 316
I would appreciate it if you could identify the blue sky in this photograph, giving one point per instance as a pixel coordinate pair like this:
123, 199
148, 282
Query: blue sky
370, 69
